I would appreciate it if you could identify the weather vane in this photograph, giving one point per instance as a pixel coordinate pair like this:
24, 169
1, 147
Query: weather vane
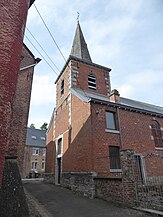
78, 16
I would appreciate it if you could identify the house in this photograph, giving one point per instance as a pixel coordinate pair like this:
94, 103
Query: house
96, 133
21, 103
35, 153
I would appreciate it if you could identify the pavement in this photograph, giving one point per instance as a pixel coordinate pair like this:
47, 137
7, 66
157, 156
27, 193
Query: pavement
59, 202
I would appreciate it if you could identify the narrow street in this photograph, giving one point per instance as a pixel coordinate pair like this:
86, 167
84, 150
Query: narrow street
61, 202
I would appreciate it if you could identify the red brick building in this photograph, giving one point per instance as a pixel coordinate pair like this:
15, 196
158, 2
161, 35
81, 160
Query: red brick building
93, 124
21, 103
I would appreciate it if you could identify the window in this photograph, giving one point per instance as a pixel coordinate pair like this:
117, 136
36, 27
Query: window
92, 81
62, 87
34, 165
59, 146
42, 138
110, 121
33, 137
156, 133
43, 152
114, 155
43, 165
35, 151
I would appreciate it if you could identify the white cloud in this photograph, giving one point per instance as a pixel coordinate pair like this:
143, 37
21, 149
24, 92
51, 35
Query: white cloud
124, 35
43, 90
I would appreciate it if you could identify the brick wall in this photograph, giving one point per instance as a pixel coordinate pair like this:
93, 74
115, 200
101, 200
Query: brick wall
50, 157
13, 18
80, 146
17, 136
134, 133
80, 72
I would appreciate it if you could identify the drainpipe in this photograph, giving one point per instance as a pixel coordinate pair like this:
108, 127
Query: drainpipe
119, 126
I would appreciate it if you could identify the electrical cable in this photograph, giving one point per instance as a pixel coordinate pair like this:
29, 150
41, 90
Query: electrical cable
42, 49
41, 55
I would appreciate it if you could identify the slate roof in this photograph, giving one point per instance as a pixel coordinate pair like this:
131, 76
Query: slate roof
79, 46
125, 103
38, 142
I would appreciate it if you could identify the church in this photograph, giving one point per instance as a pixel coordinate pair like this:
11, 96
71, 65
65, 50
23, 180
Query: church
95, 136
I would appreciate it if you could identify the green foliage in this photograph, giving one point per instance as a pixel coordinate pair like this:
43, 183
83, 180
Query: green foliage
44, 126
32, 126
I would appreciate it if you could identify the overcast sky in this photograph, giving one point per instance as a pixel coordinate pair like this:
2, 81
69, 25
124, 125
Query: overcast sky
124, 35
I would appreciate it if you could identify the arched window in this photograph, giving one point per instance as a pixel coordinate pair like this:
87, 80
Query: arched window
92, 81
156, 133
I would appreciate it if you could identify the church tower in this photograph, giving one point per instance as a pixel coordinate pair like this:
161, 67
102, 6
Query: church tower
79, 74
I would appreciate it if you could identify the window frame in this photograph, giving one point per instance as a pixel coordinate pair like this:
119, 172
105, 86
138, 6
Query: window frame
114, 159
62, 87
114, 121
156, 134
34, 137
92, 81
35, 150
35, 163
43, 163
59, 146
44, 150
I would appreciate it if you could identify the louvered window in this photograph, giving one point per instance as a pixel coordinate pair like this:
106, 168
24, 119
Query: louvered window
92, 81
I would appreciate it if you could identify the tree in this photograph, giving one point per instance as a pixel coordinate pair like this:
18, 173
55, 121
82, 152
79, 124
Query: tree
32, 126
44, 126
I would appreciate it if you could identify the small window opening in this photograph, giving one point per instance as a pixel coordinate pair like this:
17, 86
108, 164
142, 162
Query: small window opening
62, 87
92, 82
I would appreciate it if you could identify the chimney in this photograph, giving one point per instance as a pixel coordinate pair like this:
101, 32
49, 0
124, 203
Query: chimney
114, 96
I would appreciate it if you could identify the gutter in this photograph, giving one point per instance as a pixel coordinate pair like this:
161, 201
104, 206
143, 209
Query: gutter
37, 60
126, 107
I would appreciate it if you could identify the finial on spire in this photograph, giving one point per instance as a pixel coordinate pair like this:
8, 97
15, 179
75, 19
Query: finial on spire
78, 14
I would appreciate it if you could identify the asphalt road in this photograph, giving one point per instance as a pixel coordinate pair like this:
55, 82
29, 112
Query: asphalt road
61, 202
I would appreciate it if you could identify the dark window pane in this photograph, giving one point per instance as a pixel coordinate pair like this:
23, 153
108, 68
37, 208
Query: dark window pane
59, 146
110, 120
62, 87
114, 155
156, 133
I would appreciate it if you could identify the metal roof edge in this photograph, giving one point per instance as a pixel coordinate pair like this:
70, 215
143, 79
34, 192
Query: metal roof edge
126, 107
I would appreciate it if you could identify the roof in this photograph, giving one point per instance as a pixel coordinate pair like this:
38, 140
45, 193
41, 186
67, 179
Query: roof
31, 2
79, 46
51, 120
124, 103
35, 137
31, 54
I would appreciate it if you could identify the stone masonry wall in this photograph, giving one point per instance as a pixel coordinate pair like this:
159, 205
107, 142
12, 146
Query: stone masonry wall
110, 189
83, 183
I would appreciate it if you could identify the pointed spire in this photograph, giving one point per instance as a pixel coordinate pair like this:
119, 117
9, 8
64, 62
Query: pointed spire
79, 47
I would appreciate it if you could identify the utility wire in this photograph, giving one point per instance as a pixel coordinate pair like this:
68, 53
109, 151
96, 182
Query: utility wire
56, 45
42, 49
41, 55
50, 32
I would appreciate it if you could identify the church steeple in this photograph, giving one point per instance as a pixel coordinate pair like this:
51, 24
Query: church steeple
79, 46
